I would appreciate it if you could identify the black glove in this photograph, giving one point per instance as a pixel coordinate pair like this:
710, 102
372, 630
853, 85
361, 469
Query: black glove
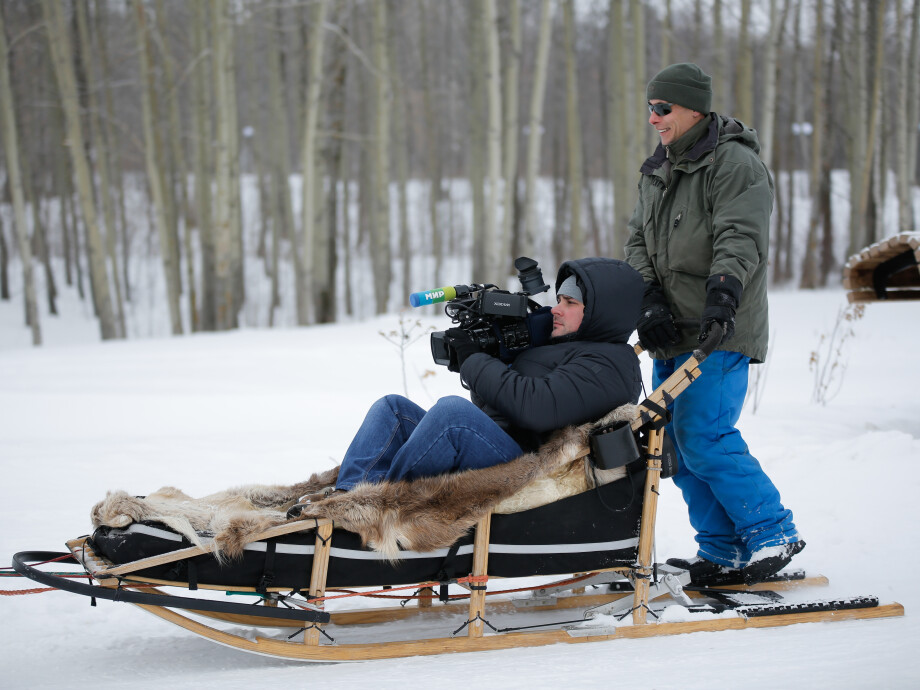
656, 322
461, 346
723, 293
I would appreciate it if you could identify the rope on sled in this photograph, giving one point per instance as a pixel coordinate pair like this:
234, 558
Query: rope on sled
471, 579
8, 572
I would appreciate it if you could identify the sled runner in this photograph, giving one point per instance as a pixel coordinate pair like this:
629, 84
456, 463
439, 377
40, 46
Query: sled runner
590, 552
886, 270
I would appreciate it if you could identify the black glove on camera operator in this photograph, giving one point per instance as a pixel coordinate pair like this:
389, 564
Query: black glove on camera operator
656, 322
461, 346
723, 294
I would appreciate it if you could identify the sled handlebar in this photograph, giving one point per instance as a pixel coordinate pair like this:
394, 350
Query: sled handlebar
707, 344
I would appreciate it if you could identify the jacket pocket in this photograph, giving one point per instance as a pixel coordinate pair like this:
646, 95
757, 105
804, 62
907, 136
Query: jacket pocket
689, 242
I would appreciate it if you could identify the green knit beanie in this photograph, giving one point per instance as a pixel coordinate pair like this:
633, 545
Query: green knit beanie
684, 84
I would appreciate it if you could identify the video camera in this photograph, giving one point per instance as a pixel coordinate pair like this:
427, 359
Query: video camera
502, 323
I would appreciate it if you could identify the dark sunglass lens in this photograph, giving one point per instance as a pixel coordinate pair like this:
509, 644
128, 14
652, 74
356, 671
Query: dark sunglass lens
660, 109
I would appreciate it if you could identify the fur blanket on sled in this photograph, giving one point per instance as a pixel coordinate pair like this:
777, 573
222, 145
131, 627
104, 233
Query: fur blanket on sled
421, 515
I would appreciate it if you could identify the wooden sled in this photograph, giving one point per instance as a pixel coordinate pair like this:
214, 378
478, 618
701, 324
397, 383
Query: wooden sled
886, 270
627, 600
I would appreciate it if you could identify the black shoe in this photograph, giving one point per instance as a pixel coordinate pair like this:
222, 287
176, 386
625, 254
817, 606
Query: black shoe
705, 573
769, 560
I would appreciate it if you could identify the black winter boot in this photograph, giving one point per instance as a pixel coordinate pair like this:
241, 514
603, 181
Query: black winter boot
769, 561
705, 573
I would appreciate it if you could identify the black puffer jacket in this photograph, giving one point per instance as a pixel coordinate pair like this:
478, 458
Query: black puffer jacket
573, 379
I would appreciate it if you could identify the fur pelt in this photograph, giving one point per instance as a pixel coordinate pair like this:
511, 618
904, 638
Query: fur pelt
230, 516
420, 515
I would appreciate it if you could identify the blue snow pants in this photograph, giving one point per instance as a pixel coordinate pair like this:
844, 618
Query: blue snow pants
399, 440
733, 506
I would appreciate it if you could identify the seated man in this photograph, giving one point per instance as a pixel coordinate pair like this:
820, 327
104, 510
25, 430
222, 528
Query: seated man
585, 370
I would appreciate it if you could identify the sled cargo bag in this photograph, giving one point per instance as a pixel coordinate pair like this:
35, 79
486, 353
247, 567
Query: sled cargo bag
596, 529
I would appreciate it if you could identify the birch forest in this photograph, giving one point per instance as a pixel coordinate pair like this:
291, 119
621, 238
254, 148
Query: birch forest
326, 152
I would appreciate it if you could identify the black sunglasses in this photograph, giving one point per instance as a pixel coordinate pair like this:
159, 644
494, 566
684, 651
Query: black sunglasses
660, 109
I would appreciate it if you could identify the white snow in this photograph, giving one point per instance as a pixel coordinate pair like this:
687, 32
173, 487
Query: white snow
207, 412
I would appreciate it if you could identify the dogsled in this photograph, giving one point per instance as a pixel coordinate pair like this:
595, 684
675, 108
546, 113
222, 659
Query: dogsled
591, 554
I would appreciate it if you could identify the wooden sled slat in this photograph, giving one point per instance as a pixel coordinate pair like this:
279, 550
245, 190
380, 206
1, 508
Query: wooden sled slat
427, 647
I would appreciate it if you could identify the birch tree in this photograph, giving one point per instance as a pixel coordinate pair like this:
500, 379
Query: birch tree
510, 138
621, 113
226, 306
535, 129
315, 244
20, 227
201, 108
380, 234
492, 241
61, 52
154, 173
102, 160
809, 277
573, 132
744, 71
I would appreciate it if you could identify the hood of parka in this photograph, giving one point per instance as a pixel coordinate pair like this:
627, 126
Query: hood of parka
613, 295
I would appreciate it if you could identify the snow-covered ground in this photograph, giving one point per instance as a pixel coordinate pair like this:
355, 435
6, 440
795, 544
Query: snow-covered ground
206, 412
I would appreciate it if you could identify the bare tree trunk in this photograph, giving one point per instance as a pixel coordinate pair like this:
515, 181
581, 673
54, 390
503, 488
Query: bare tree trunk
114, 164
719, 82
535, 129
511, 125
573, 133
477, 139
11, 146
201, 108
902, 124
154, 176
744, 74
913, 98
5, 264
61, 52
334, 154
181, 210
105, 184
871, 133
492, 241
620, 115
227, 198
809, 277
432, 150
765, 128
667, 35
641, 135
380, 234
315, 245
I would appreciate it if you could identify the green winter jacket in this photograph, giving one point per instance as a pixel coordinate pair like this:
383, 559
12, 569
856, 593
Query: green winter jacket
704, 209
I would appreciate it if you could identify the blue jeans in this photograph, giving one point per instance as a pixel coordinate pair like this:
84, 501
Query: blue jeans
733, 506
399, 440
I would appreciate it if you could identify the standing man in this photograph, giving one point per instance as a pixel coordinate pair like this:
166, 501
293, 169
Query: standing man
699, 237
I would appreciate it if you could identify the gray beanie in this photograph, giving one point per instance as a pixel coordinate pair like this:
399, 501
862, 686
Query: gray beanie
684, 84
570, 288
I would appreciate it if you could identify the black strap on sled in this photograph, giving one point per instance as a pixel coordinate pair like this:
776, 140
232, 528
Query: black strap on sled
268, 568
447, 572
663, 414
21, 566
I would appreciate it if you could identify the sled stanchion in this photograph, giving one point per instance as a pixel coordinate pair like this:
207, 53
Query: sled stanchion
643, 571
426, 597
480, 570
318, 576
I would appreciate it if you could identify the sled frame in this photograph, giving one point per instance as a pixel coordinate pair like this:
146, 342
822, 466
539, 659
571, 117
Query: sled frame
317, 645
